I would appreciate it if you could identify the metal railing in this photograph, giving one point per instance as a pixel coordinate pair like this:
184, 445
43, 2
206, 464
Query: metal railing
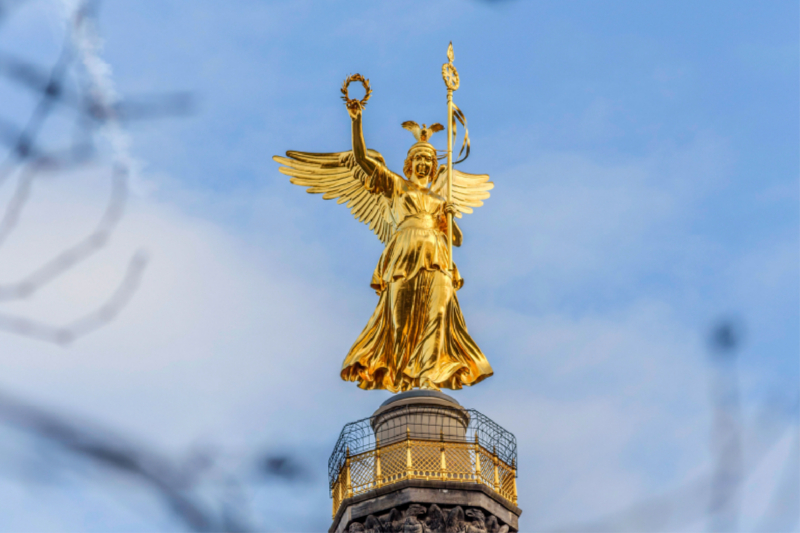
480, 452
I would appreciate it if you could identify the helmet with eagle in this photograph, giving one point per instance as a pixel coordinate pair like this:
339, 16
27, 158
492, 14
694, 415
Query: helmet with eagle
422, 146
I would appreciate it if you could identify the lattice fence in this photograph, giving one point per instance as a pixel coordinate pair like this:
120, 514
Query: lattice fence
423, 459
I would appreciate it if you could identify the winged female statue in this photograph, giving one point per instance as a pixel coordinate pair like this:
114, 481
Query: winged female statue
416, 337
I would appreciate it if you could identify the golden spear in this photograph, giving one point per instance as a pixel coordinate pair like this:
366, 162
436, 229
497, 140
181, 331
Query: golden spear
450, 75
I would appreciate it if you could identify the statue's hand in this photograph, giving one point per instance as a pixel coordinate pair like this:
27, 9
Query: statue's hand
450, 209
354, 108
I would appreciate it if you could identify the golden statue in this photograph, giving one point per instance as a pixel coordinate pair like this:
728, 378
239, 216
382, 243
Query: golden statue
417, 336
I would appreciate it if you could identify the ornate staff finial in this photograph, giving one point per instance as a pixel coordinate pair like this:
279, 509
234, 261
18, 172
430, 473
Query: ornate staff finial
449, 72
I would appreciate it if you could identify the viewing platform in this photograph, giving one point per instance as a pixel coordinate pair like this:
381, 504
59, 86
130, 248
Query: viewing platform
423, 439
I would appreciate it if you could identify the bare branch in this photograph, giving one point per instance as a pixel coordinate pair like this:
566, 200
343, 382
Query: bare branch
73, 255
97, 110
122, 456
96, 319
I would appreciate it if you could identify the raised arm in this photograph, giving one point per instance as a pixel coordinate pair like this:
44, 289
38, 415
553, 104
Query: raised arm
359, 146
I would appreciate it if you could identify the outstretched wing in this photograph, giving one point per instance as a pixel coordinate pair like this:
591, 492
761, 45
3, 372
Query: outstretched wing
469, 190
413, 127
338, 176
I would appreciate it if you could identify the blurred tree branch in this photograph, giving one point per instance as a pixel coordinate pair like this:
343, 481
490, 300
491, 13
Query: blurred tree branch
97, 111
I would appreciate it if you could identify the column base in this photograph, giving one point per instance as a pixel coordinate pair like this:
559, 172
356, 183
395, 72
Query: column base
407, 505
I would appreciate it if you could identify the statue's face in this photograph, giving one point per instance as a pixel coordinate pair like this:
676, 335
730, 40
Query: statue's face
421, 165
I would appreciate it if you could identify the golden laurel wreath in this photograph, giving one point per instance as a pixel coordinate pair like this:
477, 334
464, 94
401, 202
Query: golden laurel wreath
364, 83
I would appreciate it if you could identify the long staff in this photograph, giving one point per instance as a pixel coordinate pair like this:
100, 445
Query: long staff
450, 75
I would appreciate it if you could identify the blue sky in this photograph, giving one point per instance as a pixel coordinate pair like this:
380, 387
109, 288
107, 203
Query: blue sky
645, 156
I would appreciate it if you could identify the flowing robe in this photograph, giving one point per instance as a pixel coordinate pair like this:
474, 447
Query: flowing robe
417, 336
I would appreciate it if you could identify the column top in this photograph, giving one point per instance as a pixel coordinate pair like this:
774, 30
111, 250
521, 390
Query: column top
420, 394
